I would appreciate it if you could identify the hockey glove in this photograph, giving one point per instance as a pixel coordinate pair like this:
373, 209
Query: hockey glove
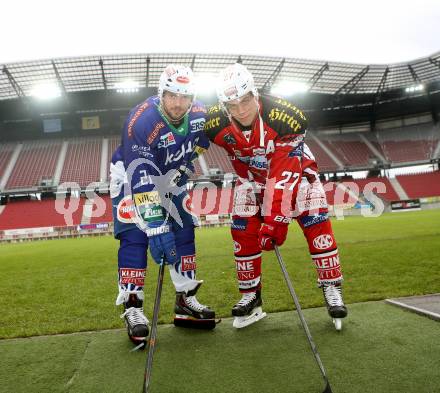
271, 234
162, 243
181, 175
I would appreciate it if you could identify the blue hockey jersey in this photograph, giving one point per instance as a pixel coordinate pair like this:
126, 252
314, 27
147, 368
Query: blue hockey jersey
154, 150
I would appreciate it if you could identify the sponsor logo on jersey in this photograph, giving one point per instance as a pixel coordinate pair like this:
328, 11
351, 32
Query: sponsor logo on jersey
229, 139
297, 151
146, 198
259, 151
292, 107
137, 148
126, 210
322, 242
198, 109
132, 276
328, 262
280, 115
311, 204
283, 219
245, 270
196, 125
188, 262
328, 267
155, 132
237, 246
214, 109
239, 224
166, 140
258, 162
179, 154
245, 159
139, 111
308, 221
212, 123
199, 150
142, 150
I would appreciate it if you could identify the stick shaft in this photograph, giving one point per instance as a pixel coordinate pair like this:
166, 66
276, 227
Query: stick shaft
152, 339
301, 316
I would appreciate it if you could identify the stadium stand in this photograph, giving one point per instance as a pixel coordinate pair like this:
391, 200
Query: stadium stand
197, 169
325, 162
37, 160
34, 214
216, 157
82, 162
352, 151
414, 143
113, 143
5, 155
421, 185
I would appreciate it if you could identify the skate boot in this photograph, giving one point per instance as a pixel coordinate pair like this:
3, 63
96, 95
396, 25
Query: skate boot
135, 320
335, 305
248, 310
190, 313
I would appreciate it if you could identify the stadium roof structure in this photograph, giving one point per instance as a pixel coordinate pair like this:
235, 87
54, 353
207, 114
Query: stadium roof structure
94, 73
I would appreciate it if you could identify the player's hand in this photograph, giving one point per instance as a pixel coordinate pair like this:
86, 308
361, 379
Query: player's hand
180, 176
271, 234
162, 245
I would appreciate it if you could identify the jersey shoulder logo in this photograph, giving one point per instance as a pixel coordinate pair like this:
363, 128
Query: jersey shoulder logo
197, 125
284, 117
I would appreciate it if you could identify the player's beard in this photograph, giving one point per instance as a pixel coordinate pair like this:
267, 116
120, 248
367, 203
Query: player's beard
175, 113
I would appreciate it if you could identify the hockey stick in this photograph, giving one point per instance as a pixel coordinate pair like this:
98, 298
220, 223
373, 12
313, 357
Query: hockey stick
152, 340
327, 389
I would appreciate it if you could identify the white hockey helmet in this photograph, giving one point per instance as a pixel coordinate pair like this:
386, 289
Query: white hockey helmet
235, 81
177, 79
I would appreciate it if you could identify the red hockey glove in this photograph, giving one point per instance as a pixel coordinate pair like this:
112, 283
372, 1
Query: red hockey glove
272, 233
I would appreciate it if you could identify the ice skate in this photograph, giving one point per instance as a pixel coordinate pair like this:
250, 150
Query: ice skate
190, 313
135, 320
248, 310
335, 305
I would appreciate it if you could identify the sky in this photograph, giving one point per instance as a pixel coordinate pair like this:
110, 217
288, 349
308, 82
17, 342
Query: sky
367, 32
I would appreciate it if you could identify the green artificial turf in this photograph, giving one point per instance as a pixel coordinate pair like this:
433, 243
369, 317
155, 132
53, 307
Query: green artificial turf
380, 349
63, 286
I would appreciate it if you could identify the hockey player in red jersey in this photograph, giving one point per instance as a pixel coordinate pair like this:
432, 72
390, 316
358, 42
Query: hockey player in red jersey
277, 182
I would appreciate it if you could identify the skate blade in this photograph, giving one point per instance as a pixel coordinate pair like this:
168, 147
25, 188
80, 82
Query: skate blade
338, 323
140, 346
255, 316
187, 321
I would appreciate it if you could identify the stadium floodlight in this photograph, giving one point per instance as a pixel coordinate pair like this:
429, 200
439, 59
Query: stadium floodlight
205, 84
127, 86
412, 89
288, 88
46, 91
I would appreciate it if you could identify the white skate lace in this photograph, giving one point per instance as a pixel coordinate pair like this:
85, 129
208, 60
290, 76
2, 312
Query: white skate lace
193, 303
247, 298
333, 295
135, 316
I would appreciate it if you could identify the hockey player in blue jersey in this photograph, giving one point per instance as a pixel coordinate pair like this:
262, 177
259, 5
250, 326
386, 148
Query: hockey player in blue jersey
160, 139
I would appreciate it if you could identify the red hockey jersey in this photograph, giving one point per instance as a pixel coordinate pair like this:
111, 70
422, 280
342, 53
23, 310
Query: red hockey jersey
273, 157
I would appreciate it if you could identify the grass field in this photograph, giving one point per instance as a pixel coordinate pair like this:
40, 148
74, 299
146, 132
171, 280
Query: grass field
67, 286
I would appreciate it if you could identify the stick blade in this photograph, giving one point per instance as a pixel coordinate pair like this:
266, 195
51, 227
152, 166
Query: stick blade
327, 389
